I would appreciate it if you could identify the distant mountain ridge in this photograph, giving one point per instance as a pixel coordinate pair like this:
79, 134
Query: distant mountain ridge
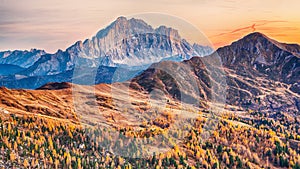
20, 58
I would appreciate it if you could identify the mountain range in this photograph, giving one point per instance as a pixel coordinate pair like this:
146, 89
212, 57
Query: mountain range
253, 68
126, 43
255, 72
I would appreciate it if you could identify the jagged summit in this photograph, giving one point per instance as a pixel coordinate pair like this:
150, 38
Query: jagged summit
125, 28
122, 25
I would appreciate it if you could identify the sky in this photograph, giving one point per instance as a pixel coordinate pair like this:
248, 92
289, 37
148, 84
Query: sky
57, 24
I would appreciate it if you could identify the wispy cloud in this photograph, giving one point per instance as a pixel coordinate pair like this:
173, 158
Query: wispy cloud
250, 28
278, 29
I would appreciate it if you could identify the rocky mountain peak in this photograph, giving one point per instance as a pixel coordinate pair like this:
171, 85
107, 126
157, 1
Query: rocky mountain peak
259, 40
254, 39
258, 55
124, 26
133, 42
255, 35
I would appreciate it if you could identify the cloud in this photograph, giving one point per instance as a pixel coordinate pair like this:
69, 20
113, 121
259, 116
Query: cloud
250, 28
276, 29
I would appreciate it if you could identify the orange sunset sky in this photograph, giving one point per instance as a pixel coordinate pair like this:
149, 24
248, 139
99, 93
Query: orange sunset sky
57, 24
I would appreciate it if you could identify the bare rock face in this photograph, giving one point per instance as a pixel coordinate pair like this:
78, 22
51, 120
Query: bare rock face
135, 43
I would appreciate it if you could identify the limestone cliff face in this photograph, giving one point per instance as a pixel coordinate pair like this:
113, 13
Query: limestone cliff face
134, 43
